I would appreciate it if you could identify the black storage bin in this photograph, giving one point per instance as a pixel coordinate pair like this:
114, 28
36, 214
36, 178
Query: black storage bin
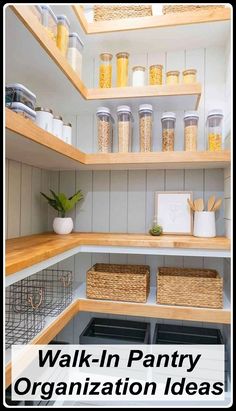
58, 342
181, 334
107, 331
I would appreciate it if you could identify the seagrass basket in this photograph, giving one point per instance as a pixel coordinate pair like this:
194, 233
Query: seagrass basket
179, 8
118, 282
121, 12
189, 286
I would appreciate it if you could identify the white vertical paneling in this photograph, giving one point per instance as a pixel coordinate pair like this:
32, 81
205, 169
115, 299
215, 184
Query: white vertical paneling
174, 180
194, 181
214, 184
14, 205
86, 129
83, 261
6, 196
45, 185
136, 259
67, 186
136, 201
118, 201
83, 219
196, 59
228, 88
214, 264
73, 121
154, 262
100, 258
36, 200
118, 259
26, 200
155, 182
54, 185
100, 213
88, 75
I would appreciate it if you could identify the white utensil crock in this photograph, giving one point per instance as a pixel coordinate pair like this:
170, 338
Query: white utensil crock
204, 224
62, 225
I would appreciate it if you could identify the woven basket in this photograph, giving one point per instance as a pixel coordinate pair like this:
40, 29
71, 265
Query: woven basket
118, 282
120, 12
182, 7
189, 286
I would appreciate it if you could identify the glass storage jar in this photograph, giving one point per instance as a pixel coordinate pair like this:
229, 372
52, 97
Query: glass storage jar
124, 128
49, 21
172, 77
138, 78
44, 118
168, 131
122, 64
58, 126
17, 93
67, 133
23, 110
190, 130
155, 75
105, 70
145, 127
189, 76
214, 123
105, 132
74, 53
63, 27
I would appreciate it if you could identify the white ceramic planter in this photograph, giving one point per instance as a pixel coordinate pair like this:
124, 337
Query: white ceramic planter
63, 225
204, 224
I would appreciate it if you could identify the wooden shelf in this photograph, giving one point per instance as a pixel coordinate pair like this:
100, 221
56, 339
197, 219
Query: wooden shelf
150, 309
28, 143
25, 255
140, 23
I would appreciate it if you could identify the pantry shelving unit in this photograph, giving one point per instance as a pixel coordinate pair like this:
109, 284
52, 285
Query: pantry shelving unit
27, 143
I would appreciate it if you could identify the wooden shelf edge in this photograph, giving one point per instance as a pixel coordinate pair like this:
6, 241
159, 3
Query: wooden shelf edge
140, 23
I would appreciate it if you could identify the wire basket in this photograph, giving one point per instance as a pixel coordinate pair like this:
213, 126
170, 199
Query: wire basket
121, 11
57, 288
22, 319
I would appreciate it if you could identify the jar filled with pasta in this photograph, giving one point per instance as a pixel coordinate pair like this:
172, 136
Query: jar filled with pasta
145, 127
214, 124
105, 132
122, 69
124, 128
105, 70
172, 77
190, 130
168, 131
155, 75
63, 27
49, 21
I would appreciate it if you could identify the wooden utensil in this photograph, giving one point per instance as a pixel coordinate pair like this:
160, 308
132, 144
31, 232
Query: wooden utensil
211, 203
191, 204
217, 204
199, 204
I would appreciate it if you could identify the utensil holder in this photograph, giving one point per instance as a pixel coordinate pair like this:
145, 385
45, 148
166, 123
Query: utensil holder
204, 224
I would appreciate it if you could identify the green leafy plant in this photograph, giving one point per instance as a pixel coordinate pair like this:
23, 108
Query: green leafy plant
61, 203
156, 230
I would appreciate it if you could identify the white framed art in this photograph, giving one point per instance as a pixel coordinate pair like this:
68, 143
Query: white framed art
173, 213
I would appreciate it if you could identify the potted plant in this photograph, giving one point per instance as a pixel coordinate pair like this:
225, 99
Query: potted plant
63, 224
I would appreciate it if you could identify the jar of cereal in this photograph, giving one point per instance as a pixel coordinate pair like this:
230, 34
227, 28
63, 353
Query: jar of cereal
214, 124
168, 131
190, 130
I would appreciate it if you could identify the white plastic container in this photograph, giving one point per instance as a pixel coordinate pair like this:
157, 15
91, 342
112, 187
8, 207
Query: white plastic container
58, 126
138, 79
44, 118
204, 224
67, 133
74, 53
24, 110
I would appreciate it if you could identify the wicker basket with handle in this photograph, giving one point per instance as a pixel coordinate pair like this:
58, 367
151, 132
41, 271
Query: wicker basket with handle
118, 282
179, 8
189, 286
117, 12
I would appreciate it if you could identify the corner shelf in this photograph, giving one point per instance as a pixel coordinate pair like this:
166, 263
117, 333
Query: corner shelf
27, 142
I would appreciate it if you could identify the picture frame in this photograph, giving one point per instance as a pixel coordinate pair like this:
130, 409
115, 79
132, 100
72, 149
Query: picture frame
173, 213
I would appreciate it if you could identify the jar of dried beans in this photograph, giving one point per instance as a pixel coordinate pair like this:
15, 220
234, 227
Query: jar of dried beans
190, 130
145, 127
214, 123
105, 70
168, 131
124, 128
105, 132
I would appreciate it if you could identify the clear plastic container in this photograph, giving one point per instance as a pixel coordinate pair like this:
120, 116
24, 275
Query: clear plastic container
189, 76
124, 128
105, 131
190, 130
145, 127
168, 131
138, 78
172, 77
49, 21
17, 93
155, 75
105, 70
44, 118
122, 69
214, 124
63, 27
23, 110
74, 53
37, 11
